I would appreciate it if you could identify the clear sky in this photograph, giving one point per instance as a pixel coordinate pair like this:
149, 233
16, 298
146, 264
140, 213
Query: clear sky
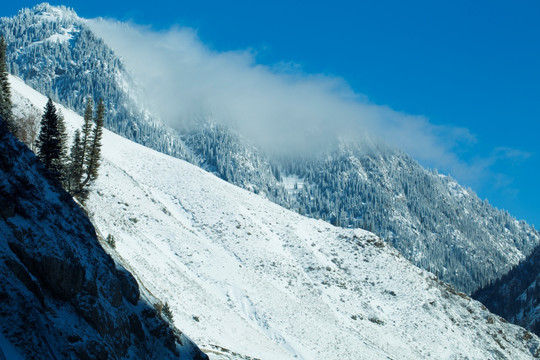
468, 64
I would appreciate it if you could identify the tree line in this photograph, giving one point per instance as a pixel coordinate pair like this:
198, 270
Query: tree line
78, 169
75, 170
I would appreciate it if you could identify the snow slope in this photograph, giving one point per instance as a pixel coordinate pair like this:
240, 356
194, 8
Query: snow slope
61, 295
245, 276
432, 220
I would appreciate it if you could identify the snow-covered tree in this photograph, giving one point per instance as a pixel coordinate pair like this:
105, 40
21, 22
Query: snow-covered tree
27, 121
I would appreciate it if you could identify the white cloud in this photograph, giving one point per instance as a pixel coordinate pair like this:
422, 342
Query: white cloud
279, 107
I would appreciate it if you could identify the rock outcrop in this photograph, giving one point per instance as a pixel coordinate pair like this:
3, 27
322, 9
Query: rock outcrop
61, 295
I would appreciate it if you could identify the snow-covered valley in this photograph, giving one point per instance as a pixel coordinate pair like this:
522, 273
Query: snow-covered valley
246, 278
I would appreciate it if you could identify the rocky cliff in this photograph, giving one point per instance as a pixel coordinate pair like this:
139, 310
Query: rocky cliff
61, 295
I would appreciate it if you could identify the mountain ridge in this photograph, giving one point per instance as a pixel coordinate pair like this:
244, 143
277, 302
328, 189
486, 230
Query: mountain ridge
55, 51
431, 219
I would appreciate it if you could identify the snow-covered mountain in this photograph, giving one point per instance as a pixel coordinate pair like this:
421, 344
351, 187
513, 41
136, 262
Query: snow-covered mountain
61, 295
247, 278
434, 222
55, 51
431, 219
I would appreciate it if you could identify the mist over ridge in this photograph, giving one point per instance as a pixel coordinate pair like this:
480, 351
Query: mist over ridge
281, 108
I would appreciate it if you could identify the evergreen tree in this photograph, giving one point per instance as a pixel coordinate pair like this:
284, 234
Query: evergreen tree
167, 312
5, 92
62, 131
75, 159
92, 160
50, 141
86, 131
85, 154
63, 161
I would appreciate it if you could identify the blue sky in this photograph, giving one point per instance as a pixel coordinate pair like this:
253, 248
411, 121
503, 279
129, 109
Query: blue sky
462, 64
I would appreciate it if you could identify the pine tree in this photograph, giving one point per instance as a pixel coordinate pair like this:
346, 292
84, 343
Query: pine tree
50, 140
167, 312
62, 130
86, 131
63, 160
93, 158
75, 172
6, 106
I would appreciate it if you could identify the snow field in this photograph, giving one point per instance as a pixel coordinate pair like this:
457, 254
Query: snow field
244, 274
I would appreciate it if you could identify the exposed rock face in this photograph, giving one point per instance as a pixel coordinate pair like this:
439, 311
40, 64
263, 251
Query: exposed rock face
61, 295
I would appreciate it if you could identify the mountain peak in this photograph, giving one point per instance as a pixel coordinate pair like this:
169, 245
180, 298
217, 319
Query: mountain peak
49, 12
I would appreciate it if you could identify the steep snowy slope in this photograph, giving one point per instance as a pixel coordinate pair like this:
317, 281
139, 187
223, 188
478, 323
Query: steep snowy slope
242, 274
61, 295
437, 224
